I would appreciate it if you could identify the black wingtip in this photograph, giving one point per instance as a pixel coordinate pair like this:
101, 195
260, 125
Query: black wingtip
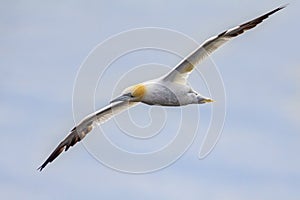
283, 6
276, 10
40, 168
69, 141
280, 8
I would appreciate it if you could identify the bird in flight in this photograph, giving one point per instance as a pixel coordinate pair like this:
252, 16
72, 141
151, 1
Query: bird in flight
169, 90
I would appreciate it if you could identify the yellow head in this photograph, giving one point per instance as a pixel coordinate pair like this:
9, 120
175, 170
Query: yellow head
133, 93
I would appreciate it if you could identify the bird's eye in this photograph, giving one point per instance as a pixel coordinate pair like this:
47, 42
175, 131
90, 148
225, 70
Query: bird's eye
131, 95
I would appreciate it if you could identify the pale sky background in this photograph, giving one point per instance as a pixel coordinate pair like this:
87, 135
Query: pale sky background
42, 47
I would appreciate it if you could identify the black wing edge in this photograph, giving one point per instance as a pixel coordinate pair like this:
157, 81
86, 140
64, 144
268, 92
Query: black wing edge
69, 141
250, 24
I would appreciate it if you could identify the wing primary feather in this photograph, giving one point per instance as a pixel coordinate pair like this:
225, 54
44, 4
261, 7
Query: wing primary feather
69, 141
250, 24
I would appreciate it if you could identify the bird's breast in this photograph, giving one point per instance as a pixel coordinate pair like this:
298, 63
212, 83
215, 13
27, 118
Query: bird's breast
165, 95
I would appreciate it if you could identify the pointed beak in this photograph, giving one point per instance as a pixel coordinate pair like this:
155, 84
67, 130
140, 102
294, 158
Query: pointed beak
207, 101
124, 97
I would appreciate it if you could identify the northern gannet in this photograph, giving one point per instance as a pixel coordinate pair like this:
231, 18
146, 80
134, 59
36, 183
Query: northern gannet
169, 90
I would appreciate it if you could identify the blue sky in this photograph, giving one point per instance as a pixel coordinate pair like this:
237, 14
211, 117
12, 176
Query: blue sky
42, 47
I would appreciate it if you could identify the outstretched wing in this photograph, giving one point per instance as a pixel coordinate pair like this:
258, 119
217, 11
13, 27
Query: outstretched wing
180, 73
85, 126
